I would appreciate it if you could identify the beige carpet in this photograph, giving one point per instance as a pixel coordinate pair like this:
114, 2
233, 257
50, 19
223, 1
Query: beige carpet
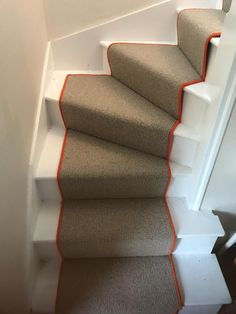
202, 23
114, 173
111, 111
121, 227
142, 285
154, 71
96, 169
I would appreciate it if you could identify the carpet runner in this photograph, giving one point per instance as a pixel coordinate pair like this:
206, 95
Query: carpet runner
115, 233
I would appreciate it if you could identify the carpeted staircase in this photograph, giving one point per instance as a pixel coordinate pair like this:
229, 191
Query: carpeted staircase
116, 234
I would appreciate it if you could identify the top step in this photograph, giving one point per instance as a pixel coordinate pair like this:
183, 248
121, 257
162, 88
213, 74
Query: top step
202, 24
156, 72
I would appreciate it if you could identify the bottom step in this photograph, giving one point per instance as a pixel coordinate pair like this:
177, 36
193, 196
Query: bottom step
149, 281
117, 286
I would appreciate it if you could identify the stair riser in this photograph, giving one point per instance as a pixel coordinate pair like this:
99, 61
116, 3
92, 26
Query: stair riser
194, 109
54, 113
48, 187
195, 245
47, 250
45, 292
183, 149
211, 60
179, 186
195, 105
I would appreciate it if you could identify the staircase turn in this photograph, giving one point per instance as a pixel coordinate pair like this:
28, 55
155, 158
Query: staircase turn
116, 235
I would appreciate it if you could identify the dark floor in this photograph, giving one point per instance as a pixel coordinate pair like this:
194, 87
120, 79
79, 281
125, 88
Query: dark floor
228, 265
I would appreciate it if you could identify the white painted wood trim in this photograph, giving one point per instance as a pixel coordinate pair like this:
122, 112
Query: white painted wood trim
200, 309
33, 200
189, 223
201, 280
216, 138
222, 76
44, 297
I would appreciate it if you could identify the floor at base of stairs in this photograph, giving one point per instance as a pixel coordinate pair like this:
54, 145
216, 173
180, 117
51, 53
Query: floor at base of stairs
227, 263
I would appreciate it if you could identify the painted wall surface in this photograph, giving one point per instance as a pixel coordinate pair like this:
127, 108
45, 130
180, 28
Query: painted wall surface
221, 191
67, 16
22, 51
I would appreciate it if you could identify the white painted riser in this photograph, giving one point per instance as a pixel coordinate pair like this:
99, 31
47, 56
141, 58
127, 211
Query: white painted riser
195, 245
196, 101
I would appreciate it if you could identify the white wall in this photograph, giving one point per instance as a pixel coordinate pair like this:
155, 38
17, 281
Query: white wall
67, 16
23, 42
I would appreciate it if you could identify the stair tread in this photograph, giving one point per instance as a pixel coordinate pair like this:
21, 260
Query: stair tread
197, 274
188, 223
130, 227
93, 168
154, 71
100, 105
200, 23
126, 285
